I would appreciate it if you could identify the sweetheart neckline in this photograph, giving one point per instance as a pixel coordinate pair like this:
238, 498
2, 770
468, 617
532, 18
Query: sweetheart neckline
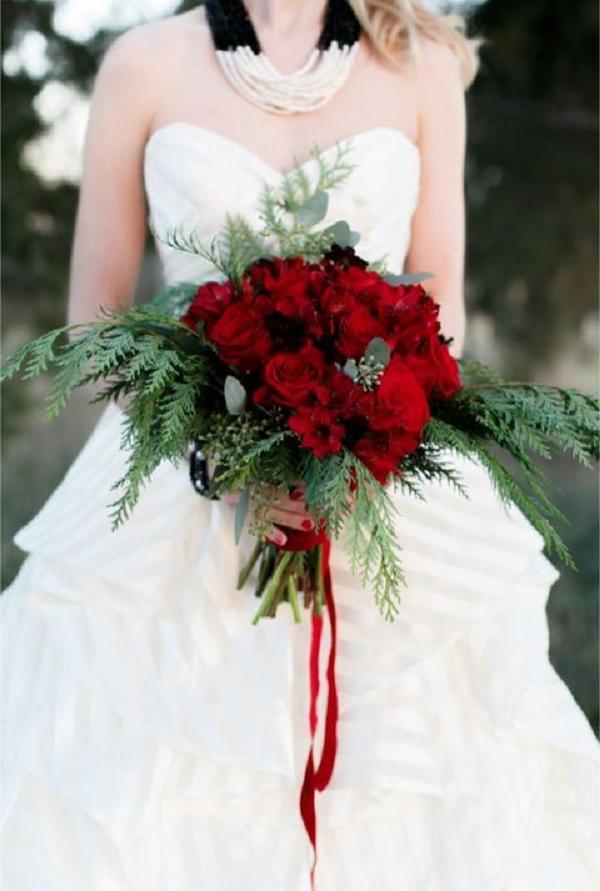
274, 171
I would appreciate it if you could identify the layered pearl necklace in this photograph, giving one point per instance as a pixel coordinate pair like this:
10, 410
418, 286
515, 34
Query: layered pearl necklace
254, 76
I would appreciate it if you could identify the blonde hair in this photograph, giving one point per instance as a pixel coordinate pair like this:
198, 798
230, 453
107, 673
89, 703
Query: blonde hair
396, 26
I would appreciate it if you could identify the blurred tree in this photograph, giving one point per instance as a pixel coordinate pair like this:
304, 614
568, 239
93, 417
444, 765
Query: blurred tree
533, 236
542, 51
533, 173
37, 224
37, 217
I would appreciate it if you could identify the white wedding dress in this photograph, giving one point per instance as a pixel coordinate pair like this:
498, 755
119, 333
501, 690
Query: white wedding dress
154, 740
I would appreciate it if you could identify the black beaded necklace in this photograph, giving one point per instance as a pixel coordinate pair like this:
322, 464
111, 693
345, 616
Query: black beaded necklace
253, 75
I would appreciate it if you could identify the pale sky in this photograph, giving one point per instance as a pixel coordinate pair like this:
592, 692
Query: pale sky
80, 19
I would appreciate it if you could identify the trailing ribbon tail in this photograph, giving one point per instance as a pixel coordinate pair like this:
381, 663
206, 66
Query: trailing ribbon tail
316, 780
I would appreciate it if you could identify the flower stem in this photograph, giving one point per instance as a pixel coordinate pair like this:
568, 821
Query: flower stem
267, 565
273, 586
292, 593
247, 569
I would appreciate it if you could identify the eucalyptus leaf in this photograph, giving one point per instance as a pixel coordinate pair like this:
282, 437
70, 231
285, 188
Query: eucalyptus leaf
241, 512
235, 395
409, 278
351, 369
342, 234
313, 210
378, 351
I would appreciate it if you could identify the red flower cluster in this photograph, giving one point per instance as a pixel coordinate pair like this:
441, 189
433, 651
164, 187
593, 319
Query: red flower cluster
289, 330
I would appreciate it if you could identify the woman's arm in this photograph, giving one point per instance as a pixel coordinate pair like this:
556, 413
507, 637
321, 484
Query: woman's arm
111, 217
438, 228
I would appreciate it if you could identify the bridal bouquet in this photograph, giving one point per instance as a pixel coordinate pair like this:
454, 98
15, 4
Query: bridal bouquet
302, 364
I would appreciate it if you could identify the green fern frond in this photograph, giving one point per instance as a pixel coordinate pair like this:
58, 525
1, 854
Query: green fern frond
428, 465
445, 436
35, 357
372, 542
474, 372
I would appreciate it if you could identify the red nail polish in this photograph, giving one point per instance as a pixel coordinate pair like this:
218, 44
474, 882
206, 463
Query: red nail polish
307, 525
297, 495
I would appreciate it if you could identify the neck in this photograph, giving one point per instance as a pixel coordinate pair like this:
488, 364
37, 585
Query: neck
286, 15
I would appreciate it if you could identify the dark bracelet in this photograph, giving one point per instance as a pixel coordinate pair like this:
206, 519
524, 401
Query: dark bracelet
199, 472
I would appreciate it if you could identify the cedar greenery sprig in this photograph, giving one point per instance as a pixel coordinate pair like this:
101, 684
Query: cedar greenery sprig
174, 393
288, 216
152, 361
528, 421
372, 543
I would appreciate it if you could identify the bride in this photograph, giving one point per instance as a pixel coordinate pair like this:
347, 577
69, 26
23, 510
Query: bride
154, 740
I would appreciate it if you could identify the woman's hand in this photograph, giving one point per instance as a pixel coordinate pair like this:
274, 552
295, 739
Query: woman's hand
285, 510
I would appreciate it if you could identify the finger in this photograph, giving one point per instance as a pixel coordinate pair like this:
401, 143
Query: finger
292, 501
295, 492
286, 504
277, 537
295, 521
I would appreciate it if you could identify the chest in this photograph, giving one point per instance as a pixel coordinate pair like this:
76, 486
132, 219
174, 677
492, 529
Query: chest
375, 95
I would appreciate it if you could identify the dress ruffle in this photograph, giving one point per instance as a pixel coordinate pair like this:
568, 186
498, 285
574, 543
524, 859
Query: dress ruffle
155, 739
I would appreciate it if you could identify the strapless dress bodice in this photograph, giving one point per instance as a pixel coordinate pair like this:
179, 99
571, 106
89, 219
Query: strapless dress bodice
194, 177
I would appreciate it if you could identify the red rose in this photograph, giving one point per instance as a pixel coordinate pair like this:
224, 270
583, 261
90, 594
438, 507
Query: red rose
435, 369
356, 328
382, 452
241, 337
318, 430
399, 401
209, 303
292, 377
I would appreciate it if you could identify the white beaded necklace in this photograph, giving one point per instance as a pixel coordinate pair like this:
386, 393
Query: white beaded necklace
254, 76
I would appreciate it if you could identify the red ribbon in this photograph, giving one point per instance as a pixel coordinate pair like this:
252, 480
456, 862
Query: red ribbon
316, 779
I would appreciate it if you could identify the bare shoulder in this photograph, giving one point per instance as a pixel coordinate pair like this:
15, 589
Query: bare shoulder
440, 95
437, 69
146, 49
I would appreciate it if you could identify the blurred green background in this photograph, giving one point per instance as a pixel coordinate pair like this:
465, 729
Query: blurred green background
532, 188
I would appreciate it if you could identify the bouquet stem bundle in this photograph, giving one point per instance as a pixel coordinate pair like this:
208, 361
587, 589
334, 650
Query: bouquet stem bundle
284, 575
